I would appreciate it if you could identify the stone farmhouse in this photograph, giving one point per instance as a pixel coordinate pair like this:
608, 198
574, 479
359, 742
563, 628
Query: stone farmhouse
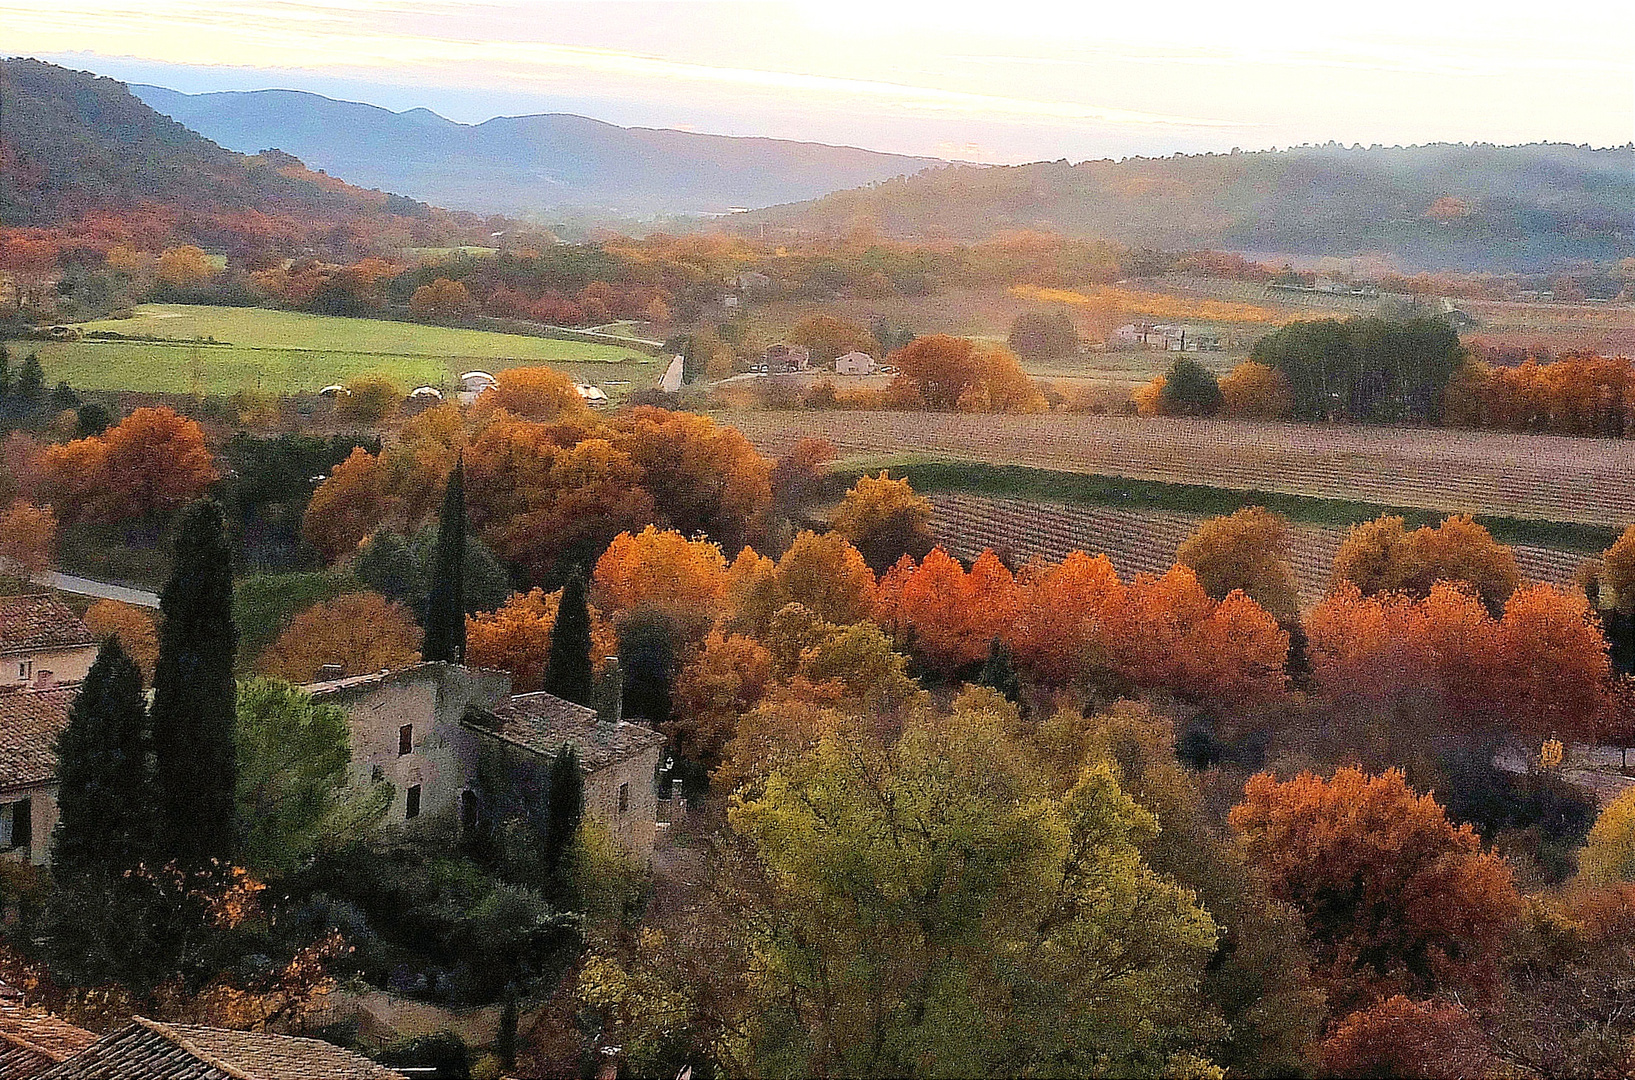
45, 652
456, 745
459, 748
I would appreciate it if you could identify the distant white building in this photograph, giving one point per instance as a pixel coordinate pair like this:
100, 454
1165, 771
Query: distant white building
592, 395
855, 363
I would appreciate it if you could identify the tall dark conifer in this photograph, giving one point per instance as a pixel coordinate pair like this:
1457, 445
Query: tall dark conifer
194, 694
569, 675
564, 805
999, 673
107, 796
446, 606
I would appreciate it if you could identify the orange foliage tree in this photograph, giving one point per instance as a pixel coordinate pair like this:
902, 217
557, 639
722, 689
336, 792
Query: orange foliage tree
1254, 391
362, 632
704, 477
885, 520
1414, 1040
152, 461
533, 393
948, 616
830, 336
945, 373
1382, 556
728, 677
28, 537
663, 572
137, 633
517, 638
1540, 670
347, 506
442, 299
1396, 898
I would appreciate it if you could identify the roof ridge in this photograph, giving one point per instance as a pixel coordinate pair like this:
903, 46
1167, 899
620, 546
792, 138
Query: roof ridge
168, 1032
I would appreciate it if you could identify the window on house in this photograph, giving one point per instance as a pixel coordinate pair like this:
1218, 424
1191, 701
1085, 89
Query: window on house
405, 739
17, 825
624, 797
411, 808
25, 669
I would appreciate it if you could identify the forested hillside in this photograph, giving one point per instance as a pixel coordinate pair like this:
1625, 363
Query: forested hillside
1432, 207
76, 146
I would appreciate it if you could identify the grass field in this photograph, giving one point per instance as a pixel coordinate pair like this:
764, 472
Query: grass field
291, 352
1541, 477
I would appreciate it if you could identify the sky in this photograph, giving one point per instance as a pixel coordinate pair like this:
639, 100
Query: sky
1001, 82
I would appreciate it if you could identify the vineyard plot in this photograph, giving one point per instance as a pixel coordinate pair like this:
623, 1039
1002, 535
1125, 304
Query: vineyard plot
1139, 541
1544, 477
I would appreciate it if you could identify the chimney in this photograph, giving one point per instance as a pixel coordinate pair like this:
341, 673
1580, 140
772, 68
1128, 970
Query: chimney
331, 672
44, 680
610, 693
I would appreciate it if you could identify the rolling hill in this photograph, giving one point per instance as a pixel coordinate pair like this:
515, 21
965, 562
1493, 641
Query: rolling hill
1429, 207
76, 147
518, 164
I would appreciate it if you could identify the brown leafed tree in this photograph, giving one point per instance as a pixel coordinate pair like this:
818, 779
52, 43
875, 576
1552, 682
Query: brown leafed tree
360, 632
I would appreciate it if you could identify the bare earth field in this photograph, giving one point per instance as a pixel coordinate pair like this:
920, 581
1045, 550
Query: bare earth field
1145, 541
1544, 477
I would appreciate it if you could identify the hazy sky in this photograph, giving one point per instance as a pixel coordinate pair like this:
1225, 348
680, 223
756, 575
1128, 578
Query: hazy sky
995, 81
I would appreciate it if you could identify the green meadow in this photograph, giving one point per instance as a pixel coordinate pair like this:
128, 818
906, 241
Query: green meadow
220, 350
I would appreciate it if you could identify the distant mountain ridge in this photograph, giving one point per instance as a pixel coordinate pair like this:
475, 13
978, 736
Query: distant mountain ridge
1439, 206
517, 164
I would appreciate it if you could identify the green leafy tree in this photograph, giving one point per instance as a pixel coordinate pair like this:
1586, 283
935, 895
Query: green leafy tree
292, 795
569, 675
29, 389
931, 908
401, 568
445, 605
106, 798
194, 711
1044, 335
1190, 389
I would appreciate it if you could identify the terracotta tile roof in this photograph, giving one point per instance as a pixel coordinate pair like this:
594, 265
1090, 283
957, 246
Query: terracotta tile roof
150, 1050
31, 1041
542, 722
40, 621
30, 721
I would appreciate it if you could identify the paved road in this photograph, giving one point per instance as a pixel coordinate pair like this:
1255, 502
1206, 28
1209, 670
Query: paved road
99, 589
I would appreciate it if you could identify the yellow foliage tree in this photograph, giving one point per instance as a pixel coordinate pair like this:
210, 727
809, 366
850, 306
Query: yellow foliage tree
1255, 391
885, 520
185, 266
28, 537
1248, 550
1609, 851
828, 576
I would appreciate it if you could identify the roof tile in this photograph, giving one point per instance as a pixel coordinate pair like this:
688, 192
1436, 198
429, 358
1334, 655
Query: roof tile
30, 721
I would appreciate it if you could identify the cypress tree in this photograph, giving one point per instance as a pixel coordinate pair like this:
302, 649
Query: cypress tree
106, 800
194, 695
564, 805
999, 673
569, 675
446, 605
30, 385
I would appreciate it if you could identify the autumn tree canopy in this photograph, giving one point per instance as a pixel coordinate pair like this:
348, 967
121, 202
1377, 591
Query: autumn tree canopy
1383, 556
1247, 551
360, 632
885, 520
1396, 897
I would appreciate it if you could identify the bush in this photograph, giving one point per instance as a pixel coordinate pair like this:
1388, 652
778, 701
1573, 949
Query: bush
370, 399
